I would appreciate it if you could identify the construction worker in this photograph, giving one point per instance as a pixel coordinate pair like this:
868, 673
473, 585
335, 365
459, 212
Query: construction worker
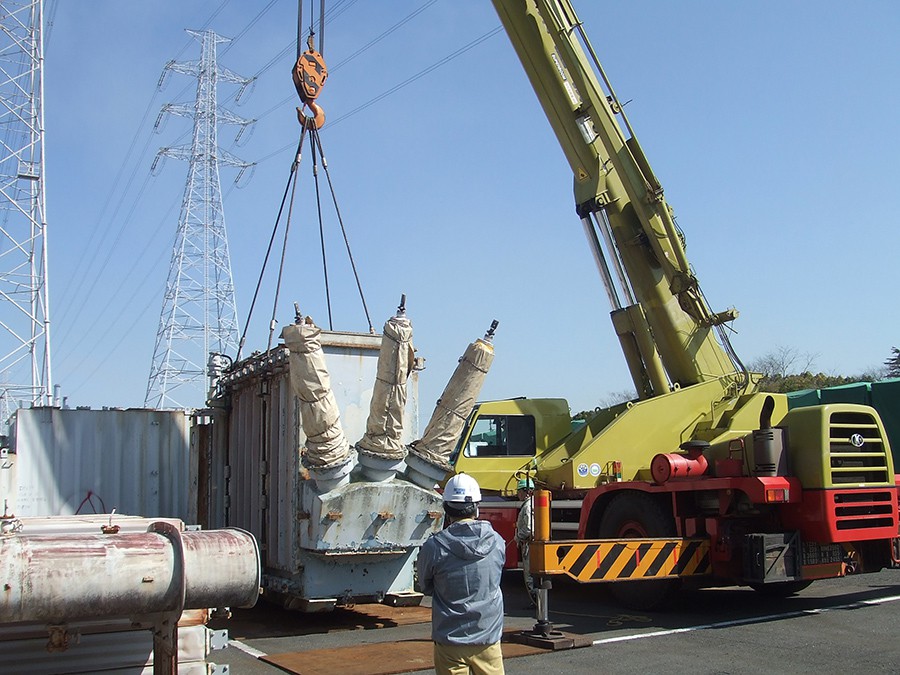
525, 532
460, 567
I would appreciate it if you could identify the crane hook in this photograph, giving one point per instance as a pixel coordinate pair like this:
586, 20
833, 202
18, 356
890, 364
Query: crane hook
309, 75
318, 115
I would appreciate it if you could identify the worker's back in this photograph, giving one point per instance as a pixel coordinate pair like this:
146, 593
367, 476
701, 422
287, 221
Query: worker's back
460, 567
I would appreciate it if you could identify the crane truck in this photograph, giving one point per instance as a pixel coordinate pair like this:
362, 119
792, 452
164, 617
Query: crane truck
702, 478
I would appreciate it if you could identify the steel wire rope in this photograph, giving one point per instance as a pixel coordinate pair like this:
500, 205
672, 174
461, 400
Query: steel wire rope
287, 229
315, 170
330, 15
325, 17
422, 73
294, 166
337, 210
107, 306
331, 69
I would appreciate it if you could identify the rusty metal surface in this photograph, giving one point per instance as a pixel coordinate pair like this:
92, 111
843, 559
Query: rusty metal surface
60, 577
220, 564
380, 658
90, 523
369, 517
88, 461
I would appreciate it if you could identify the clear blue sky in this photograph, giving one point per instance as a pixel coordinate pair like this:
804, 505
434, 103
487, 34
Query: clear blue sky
772, 126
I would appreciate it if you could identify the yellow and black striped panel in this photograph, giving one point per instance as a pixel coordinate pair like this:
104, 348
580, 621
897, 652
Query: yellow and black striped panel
595, 561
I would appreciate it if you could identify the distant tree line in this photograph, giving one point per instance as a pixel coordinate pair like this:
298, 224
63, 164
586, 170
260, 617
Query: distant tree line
783, 370
786, 369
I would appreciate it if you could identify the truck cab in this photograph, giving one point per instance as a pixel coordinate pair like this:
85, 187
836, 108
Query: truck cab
502, 439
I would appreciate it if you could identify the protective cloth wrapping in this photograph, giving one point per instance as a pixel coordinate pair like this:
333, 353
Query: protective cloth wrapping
454, 406
384, 425
326, 445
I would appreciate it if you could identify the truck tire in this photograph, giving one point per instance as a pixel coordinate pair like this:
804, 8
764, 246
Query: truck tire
634, 515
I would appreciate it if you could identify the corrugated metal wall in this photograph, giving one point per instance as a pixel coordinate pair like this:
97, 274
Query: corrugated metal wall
261, 447
135, 461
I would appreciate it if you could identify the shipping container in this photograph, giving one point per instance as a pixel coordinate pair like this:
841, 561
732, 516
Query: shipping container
75, 461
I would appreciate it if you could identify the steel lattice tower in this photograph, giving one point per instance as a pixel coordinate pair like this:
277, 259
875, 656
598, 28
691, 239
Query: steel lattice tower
198, 314
24, 300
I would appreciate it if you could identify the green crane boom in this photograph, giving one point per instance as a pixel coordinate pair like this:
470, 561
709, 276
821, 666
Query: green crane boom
669, 335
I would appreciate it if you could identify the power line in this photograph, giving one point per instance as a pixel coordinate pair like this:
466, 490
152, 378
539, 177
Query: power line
122, 285
419, 75
74, 290
422, 73
331, 69
336, 11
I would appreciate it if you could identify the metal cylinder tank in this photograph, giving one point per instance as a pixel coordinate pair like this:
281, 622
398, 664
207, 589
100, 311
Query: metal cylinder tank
55, 578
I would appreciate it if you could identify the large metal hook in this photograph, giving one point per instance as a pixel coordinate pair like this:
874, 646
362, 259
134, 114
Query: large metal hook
317, 119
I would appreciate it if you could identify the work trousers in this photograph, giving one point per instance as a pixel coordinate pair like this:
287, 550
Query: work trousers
525, 557
468, 659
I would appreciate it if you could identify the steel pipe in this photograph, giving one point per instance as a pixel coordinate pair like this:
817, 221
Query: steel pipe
56, 578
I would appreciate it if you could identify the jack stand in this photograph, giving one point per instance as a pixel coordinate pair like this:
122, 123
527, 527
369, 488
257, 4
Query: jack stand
542, 634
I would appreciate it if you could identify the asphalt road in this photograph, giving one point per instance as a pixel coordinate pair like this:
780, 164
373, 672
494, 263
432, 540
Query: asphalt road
835, 626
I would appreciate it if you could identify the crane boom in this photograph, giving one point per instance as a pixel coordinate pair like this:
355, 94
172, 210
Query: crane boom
665, 327
705, 474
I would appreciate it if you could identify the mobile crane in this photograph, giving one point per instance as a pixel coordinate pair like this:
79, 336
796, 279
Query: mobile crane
702, 476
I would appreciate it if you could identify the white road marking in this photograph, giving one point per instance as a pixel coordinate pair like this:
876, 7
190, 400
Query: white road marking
246, 649
750, 620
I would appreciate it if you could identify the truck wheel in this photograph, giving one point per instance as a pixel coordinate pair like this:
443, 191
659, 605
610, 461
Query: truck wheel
634, 515
782, 589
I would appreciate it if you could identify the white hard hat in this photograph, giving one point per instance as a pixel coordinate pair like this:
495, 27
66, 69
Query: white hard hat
462, 489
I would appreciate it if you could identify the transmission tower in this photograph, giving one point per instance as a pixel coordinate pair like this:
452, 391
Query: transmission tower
198, 313
24, 302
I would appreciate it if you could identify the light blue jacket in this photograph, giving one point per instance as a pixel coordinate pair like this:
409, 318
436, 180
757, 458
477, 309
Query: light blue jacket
460, 568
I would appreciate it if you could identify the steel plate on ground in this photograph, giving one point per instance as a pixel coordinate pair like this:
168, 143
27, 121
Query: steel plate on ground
384, 658
268, 620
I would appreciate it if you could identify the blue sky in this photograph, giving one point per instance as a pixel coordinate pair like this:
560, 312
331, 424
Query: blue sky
772, 126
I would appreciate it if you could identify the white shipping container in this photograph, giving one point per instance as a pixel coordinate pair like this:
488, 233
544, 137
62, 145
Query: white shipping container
81, 461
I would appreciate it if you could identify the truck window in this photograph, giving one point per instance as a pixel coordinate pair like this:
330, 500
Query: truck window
501, 436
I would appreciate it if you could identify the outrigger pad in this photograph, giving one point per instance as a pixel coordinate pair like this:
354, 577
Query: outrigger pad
554, 640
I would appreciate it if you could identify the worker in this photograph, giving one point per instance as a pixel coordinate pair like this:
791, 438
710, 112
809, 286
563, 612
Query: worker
525, 532
460, 567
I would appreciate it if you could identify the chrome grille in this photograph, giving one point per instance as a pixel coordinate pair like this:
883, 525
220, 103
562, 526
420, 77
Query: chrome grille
857, 450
